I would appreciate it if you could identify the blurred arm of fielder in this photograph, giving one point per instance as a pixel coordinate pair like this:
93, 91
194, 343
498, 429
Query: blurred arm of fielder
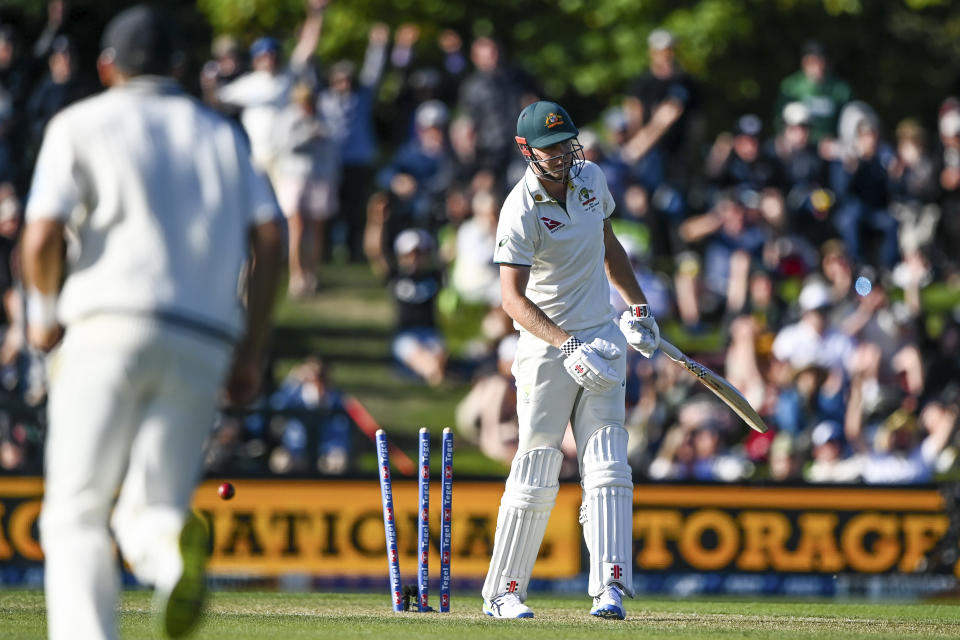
266, 248
43, 249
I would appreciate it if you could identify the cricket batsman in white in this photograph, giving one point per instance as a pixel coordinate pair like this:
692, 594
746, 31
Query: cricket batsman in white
161, 206
558, 256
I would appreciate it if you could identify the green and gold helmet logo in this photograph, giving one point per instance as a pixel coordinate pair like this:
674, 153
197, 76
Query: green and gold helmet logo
554, 120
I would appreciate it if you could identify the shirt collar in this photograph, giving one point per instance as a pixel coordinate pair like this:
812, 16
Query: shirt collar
151, 84
535, 187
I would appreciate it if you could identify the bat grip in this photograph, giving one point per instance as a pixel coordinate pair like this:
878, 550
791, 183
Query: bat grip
671, 351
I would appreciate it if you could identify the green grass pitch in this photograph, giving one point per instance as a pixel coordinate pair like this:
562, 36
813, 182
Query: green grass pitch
242, 615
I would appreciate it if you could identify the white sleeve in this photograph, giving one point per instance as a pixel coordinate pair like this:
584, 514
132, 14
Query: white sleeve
55, 191
236, 93
518, 234
263, 201
605, 197
783, 344
929, 451
263, 206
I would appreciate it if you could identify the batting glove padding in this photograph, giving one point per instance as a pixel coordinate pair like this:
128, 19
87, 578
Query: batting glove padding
640, 329
589, 364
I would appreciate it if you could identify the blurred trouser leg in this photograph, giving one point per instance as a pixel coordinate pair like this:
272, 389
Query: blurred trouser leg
165, 459
887, 225
545, 398
92, 416
355, 190
847, 219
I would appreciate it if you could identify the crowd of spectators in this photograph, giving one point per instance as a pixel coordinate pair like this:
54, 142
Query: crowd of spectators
802, 248
38, 77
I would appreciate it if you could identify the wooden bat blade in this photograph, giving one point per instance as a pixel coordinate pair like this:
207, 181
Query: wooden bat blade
718, 385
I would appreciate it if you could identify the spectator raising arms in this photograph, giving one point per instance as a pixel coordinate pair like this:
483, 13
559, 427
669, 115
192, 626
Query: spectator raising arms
306, 178
661, 110
346, 106
262, 93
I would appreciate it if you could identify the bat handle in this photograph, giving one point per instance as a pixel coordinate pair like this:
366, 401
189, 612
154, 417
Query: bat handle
671, 351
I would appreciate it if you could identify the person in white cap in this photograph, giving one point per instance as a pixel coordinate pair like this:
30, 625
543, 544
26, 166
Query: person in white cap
154, 202
801, 169
414, 283
832, 460
418, 174
558, 256
812, 340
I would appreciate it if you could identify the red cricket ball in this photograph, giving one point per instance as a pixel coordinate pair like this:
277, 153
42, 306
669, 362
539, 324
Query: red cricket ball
226, 490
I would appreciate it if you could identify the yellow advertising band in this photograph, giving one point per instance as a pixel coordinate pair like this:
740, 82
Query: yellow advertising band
335, 528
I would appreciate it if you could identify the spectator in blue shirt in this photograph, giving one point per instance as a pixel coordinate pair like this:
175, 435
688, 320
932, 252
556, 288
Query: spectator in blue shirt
346, 107
425, 161
60, 87
741, 162
860, 181
801, 172
735, 234
309, 402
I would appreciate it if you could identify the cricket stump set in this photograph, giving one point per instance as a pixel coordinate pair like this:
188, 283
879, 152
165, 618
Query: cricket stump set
398, 594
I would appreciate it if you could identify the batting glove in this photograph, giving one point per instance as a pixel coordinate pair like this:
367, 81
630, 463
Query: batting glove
640, 328
590, 364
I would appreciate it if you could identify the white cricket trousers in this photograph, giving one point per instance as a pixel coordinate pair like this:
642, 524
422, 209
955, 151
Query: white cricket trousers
548, 398
131, 401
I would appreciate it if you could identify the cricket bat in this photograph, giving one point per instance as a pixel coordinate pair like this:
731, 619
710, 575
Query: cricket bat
720, 387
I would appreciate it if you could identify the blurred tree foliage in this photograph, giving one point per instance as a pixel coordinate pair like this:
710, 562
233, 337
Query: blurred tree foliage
899, 55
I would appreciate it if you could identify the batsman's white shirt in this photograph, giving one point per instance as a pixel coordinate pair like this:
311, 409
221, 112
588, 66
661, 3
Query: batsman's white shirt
128, 170
562, 246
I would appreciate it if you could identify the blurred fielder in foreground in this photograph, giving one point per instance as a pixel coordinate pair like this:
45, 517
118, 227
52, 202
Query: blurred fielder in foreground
557, 256
147, 202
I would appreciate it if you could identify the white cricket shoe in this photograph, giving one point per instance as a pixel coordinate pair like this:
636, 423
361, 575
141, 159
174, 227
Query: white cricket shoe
609, 604
507, 605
